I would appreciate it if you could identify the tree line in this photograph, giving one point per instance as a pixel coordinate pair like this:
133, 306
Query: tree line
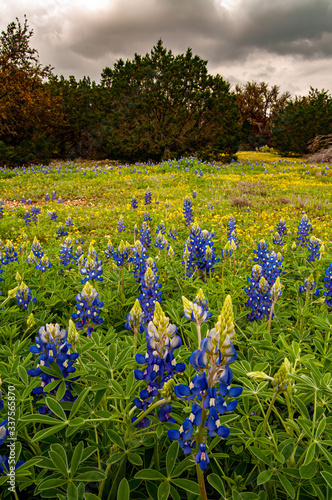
154, 107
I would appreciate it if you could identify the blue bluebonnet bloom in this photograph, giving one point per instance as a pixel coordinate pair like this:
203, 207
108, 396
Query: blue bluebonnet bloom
29, 202
197, 256
259, 299
134, 203
60, 200
88, 308
69, 222
43, 264
1, 209
79, 241
147, 217
53, 195
304, 229
47, 197
309, 285
149, 294
121, 256
91, 266
61, 232
197, 311
281, 227
53, 347
209, 388
172, 233
188, 212
145, 235
36, 248
277, 240
23, 199
32, 259
121, 224
161, 228
158, 364
160, 241
314, 247
328, 285
148, 196
109, 252
24, 296
5, 468
166, 204
194, 194
135, 320
66, 252
261, 253
27, 218
9, 254
138, 259
231, 230
78, 253
35, 211
53, 215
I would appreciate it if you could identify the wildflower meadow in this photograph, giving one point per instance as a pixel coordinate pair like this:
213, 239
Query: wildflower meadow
165, 330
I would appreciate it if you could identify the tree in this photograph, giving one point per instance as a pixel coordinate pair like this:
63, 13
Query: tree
27, 108
259, 104
165, 106
301, 121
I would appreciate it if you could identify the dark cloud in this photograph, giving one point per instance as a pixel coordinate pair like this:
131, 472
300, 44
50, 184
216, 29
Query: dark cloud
241, 39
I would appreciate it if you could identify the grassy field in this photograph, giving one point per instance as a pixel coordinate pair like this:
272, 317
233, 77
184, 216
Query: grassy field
72, 398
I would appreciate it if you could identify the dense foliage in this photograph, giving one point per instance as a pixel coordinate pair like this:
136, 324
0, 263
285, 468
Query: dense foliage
165, 330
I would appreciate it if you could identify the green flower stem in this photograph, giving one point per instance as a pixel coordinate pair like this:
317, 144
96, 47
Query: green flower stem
269, 412
304, 309
149, 410
199, 336
268, 425
199, 472
270, 317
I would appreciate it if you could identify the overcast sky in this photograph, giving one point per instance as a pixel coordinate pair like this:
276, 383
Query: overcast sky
283, 42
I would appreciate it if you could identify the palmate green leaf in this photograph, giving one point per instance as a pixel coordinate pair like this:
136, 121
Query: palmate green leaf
217, 484
59, 463
48, 432
264, 476
150, 474
287, 485
56, 408
164, 490
171, 457
76, 458
187, 484
123, 490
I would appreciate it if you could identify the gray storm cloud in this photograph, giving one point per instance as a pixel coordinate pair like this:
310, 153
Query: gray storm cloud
252, 38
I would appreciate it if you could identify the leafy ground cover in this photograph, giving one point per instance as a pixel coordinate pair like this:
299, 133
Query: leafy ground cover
106, 398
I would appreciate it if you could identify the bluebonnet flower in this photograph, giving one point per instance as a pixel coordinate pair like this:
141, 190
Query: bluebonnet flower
5, 468
53, 215
109, 252
1, 209
37, 249
24, 296
135, 231
172, 233
138, 259
121, 256
194, 194
147, 196
53, 195
69, 222
260, 298
10, 254
210, 207
149, 294
121, 224
304, 229
47, 197
314, 247
134, 203
309, 285
248, 210
197, 311
135, 320
147, 217
195, 257
170, 252
88, 308
277, 240
159, 365
91, 266
145, 235
188, 212
29, 202
61, 232
32, 259
161, 242
27, 218
209, 388
161, 228
35, 211
66, 252
281, 227
78, 253
60, 200
4, 433
261, 253
23, 199
166, 204
43, 264
328, 285
79, 241
53, 347
231, 226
